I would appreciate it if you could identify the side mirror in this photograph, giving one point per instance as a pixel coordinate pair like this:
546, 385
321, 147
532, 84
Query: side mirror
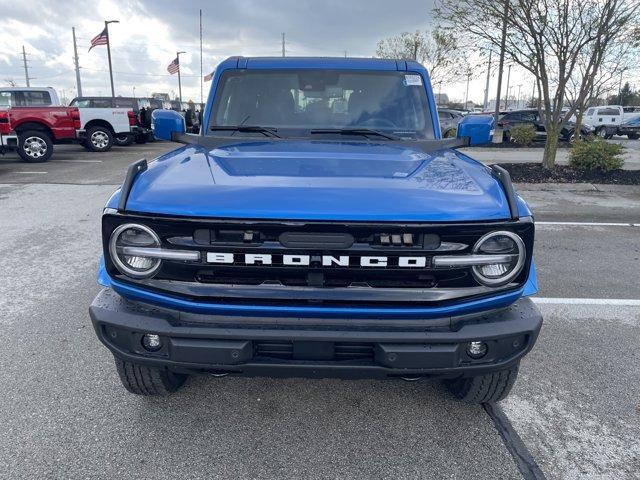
166, 122
479, 129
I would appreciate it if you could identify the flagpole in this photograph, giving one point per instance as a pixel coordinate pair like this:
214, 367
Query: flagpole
179, 81
106, 27
201, 96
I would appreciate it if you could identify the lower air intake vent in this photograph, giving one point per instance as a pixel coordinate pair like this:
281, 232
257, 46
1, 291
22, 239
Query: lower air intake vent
314, 351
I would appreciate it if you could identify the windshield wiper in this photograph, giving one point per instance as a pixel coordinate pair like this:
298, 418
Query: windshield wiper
268, 131
365, 132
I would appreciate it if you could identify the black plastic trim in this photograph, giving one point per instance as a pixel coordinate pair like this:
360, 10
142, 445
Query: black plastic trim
505, 180
132, 172
211, 142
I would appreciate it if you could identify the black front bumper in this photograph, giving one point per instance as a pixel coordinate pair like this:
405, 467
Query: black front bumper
313, 347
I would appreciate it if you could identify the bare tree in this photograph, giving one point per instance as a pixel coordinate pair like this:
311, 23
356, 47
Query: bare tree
621, 57
436, 49
552, 39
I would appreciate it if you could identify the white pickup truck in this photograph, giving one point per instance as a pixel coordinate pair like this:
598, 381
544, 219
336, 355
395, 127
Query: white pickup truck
98, 126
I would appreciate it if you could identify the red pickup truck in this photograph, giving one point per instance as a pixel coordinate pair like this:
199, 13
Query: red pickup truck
32, 131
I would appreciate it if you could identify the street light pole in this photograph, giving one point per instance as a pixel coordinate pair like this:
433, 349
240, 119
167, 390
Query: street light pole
466, 95
506, 100
179, 80
106, 27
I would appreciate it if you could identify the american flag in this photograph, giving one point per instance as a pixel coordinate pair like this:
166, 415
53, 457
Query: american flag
101, 39
174, 66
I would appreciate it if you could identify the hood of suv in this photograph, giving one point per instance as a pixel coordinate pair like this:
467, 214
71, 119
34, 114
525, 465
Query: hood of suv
318, 180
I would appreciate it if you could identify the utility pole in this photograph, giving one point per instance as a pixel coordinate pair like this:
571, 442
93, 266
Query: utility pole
501, 64
26, 69
283, 49
485, 105
106, 28
466, 95
201, 78
75, 60
179, 81
506, 101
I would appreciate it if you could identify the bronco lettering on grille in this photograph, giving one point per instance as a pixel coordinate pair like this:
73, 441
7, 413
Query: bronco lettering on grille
320, 260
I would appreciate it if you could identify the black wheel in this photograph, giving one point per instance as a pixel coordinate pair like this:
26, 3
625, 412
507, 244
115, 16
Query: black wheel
633, 136
123, 140
148, 381
35, 146
487, 388
601, 132
99, 139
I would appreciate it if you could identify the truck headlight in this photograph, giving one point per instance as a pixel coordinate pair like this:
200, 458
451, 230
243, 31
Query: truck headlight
139, 237
509, 247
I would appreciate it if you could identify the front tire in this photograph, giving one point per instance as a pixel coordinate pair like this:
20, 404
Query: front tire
148, 381
487, 388
99, 139
35, 146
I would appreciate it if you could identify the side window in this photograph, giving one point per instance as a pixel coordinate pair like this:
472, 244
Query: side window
124, 103
101, 103
5, 99
36, 98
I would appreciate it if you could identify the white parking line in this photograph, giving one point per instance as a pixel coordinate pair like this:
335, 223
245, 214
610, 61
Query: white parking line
625, 302
77, 161
590, 224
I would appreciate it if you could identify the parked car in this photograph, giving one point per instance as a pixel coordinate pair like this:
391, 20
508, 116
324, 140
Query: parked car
32, 131
449, 120
603, 117
28, 97
532, 117
141, 108
292, 238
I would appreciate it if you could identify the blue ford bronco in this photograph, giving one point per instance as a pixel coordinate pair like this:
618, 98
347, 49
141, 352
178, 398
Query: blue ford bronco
318, 226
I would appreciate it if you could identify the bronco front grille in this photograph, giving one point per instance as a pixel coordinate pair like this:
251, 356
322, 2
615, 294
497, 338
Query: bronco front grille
280, 262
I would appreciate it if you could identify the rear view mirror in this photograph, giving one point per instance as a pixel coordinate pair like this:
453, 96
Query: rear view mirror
166, 122
479, 129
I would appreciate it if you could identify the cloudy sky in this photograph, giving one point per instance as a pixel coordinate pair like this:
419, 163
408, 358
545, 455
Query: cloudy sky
151, 31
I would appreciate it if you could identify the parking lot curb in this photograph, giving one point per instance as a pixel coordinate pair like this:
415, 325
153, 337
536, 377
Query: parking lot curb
576, 187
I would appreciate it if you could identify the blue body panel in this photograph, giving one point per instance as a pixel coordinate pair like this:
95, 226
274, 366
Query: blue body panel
304, 180
301, 179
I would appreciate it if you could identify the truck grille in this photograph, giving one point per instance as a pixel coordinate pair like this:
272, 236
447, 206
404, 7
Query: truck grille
334, 268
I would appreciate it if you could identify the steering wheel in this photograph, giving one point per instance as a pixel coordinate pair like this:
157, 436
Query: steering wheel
379, 122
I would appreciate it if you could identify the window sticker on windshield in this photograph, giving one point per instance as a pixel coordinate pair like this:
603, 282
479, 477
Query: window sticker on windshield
411, 80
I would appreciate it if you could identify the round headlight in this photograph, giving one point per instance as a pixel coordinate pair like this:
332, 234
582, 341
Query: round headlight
134, 235
509, 250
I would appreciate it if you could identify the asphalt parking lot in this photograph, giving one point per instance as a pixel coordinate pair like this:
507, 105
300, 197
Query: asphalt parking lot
64, 414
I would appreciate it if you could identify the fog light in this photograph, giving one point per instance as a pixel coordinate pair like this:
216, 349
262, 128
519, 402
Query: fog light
476, 349
151, 342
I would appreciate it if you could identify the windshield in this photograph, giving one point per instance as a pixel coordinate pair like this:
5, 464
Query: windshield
298, 101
